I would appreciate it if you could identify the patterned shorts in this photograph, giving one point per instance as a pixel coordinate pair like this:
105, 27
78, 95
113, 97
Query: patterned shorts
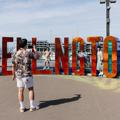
25, 82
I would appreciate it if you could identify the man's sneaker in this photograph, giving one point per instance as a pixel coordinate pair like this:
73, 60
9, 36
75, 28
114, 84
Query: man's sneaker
35, 108
32, 109
22, 110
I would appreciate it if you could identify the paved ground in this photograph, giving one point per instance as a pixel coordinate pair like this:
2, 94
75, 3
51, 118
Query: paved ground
64, 98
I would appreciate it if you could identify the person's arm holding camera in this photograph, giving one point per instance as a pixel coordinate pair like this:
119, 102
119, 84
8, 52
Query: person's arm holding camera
34, 54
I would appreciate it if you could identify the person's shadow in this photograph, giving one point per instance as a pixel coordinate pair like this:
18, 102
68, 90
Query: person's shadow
44, 104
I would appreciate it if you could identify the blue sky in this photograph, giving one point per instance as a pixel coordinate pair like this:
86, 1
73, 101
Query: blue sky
47, 19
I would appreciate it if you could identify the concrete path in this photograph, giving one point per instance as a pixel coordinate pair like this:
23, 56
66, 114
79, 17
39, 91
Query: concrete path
64, 98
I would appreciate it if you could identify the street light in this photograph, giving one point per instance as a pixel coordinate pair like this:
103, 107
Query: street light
107, 14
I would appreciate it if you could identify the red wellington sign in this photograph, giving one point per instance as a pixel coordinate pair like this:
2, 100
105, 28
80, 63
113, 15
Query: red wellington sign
63, 57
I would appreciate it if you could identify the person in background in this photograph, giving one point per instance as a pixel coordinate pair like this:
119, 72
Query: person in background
82, 54
99, 62
21, 68
47, 54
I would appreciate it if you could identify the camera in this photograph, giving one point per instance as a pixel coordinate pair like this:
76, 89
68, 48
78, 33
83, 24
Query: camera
30, 46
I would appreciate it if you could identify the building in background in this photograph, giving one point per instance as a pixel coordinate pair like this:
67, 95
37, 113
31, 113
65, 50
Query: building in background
40, 45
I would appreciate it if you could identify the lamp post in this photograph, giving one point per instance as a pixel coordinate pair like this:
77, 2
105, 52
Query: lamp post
107, 14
